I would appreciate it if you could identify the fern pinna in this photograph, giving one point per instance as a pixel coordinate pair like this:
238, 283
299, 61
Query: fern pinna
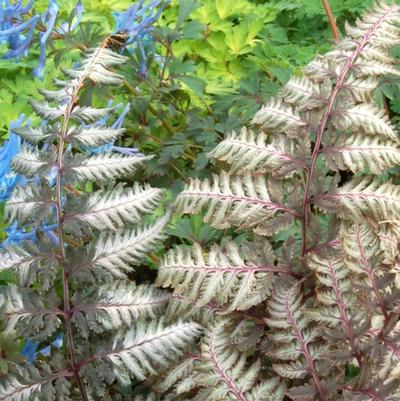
78, 283
307, 305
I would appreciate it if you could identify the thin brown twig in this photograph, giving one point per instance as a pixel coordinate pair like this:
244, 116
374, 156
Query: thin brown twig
331, 19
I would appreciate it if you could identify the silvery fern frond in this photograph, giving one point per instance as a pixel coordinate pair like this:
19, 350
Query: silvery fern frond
146, 347
249, 151
242, 201
363, 256
296, 348
222, 374
278, 117
29, 383
32, 161
362, 198
310, 175
32, 135
360, 153
25, 310
115, 305
338, 310
93, 136
101, 167
82, 238
113, 209
115, 252
27, 201
27, 261
223, 277
365, 118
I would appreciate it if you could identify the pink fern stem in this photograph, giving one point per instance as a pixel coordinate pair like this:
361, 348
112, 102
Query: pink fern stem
371, 276
343, 314
304, 349
324, 121
229, 381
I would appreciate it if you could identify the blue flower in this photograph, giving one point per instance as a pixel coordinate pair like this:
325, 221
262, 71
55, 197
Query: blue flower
29, 350
17, 28
16, 234
137, 20
13, 26
136, 23
48, 19
8, 179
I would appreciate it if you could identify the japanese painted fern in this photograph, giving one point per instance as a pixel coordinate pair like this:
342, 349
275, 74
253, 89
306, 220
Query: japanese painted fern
114, 336
307, 307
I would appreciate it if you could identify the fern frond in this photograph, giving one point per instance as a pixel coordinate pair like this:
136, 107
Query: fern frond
101, 167
116, 305
247, 151
383, 17
222, 372
222, 277
182, 307
116, 208
31, 161
32, 135
230, 200
374, 68
27, 201
89, 114
362, 88
46, 111
361, 152
27, 262
96, 64
302, 92
363, 256
93, 136
31, 382
60, 96
279, 118
146, 347
115, 252
294, 338
366, 118
338, 309
362, 198
23, 310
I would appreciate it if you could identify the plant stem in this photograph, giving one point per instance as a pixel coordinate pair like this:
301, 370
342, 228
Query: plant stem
331, 19
60, 222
